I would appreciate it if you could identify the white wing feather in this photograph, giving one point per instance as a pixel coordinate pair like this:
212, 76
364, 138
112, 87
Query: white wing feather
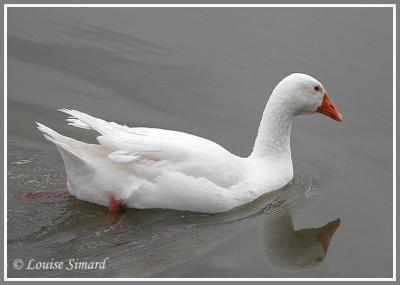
191, 155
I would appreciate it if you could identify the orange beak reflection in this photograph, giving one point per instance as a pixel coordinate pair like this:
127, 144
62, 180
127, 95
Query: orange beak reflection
329, 109
327, 233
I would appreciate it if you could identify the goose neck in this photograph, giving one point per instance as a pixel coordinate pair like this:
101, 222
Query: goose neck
274, 132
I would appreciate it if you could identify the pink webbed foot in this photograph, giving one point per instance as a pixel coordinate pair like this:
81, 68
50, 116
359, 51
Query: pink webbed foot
44, 195
114, 208
115, 204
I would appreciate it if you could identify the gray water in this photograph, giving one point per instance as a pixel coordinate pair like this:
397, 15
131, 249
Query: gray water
208, 72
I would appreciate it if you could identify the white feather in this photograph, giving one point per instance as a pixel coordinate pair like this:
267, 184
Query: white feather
156, 168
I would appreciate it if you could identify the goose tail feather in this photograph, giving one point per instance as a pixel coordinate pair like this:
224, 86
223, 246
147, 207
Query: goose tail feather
66, 145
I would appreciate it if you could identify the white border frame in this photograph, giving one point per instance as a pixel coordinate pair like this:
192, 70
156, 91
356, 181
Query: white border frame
393, 6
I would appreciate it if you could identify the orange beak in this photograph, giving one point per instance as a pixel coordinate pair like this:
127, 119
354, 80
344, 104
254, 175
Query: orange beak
329, 109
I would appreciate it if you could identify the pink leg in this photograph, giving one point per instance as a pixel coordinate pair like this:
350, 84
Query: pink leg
114, 208
41, 194
115, 204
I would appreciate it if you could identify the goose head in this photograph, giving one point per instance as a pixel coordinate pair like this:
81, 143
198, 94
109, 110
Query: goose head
303, 94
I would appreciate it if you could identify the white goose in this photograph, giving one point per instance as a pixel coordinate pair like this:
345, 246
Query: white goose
155, 168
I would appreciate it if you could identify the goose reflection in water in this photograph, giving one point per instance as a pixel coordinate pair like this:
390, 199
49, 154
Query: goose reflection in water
287, 249
160, 243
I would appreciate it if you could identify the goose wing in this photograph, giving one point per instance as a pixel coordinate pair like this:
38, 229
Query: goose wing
151, 150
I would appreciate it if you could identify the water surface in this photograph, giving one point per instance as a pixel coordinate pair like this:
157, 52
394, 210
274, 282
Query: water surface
206, 72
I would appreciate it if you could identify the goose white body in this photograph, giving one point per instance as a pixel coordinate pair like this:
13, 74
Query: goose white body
156, 168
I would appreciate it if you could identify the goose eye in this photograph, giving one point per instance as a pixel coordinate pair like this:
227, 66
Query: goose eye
316, 88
